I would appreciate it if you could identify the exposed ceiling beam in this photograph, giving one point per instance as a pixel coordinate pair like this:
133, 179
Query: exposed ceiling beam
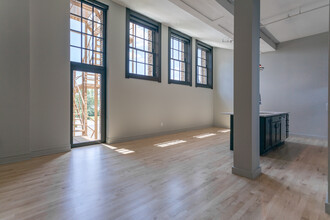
264, 34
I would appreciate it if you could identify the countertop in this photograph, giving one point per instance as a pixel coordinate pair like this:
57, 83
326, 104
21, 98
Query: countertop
262, 113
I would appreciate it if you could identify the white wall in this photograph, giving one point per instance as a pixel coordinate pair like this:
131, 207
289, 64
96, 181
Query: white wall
14, 77
35, 84
137, 107
49, 75
35, 80
295, 79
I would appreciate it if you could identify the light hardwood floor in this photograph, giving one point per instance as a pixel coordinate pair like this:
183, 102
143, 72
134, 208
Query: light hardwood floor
190, 180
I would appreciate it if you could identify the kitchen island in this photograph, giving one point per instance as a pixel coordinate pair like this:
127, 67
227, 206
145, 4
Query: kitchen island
274, 129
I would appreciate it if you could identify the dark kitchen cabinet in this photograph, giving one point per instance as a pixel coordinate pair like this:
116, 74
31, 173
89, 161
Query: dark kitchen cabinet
274, 129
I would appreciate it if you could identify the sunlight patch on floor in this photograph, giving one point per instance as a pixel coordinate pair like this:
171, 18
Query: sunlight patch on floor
170, 143
204, 135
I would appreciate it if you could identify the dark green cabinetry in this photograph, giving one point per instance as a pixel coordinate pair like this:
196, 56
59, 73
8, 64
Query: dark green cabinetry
274, 129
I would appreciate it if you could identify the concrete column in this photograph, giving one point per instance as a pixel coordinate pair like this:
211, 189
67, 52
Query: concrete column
327, 204
246, 88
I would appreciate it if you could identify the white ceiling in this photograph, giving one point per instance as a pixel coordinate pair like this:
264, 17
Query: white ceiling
208, 21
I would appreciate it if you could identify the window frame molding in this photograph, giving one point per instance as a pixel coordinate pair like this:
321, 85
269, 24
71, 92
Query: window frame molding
209, 64
156, 27
188, 67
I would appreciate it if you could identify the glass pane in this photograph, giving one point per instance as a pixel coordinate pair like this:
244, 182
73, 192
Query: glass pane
140, 56
98, 30
199, 52
86, 107
204, 54
203, 62
140, 68
149, 58
98, 15
75, 39
75, 23
148, 34
139, 31
148, 46
87, 26
139, 43
87, 41
75, 54
132, 54
199, 61
132, 67
149, 70
87, 11
132, 42
75, 7
98, 59
132, 28
98, 44
87, 56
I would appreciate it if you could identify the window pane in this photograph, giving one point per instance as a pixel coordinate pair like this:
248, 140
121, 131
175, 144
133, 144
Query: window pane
199, 52
149, 58
139, 31
87, 26
204, 54
149, 70
75, 7
98, 44
98, 59
175, 44
87, 41
87, 56
140, 56
132, 42
140, 69
148, 46
132, 67
203, 62
87, 11
132, 54
139, 43
75, 54
132, 27
75, 23
98, 15
75, 38
148, 34
98, 30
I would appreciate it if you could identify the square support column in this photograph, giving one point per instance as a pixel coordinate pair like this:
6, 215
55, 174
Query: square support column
246, 88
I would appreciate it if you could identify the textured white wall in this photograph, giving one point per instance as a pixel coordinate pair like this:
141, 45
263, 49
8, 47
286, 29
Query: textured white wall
295, 79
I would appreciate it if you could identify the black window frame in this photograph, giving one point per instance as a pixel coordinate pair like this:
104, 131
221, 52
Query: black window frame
209, 64
141, 20
187, 40
98, 69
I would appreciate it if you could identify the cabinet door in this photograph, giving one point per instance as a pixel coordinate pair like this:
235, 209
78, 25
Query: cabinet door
268, 134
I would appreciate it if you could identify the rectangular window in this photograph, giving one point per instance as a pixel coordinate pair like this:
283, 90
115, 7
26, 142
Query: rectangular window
87, 33
204, 65
179, 47
88, 71
142, 47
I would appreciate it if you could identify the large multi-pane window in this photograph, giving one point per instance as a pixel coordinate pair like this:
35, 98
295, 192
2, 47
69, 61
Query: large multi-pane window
179, 57
86, 33
88, 71
204, 65
142, 47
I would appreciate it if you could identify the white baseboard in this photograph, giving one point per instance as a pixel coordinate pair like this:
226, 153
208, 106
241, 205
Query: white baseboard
37, 153
132, 138
309, 136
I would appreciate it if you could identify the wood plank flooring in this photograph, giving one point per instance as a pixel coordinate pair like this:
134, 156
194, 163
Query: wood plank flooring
190, 180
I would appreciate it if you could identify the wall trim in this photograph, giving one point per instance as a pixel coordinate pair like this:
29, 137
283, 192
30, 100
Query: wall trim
115, 140
37, 153
309, 136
